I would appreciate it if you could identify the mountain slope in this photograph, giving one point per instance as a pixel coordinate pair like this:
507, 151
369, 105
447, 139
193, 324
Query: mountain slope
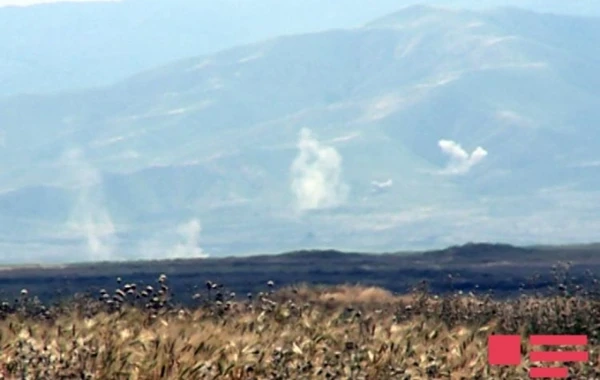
218, 138
62, 46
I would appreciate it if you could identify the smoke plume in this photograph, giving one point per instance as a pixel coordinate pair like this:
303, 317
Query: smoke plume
317, 175
381, 186
460, 161
89, 218
189, 246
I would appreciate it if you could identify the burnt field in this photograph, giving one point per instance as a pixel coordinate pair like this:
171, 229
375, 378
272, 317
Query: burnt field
498, 269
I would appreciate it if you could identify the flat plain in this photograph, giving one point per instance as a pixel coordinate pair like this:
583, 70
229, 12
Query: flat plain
301, 315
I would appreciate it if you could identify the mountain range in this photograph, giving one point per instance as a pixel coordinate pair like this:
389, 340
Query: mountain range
424, 128
66, 45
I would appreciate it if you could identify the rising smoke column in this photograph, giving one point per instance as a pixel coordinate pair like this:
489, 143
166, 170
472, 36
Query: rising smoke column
89, 218
317, 175
190, 234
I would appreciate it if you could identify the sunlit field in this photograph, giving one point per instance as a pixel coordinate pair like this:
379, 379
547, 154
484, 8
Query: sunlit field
342, 332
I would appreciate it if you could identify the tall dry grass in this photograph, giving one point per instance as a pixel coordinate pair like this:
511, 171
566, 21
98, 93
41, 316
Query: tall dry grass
341, 332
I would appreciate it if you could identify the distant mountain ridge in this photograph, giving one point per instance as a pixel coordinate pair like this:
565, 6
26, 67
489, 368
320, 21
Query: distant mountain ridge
391, 136
64, 46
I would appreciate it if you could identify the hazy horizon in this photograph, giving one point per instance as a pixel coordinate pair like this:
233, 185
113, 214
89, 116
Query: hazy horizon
194, 129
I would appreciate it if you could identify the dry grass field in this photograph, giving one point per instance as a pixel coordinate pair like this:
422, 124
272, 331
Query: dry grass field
339, 332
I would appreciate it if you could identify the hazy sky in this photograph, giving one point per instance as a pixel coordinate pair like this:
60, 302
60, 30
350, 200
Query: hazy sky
23, 3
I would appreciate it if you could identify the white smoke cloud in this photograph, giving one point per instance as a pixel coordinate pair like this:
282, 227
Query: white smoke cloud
190, 234
460, 161
89, 218
379, 186
317, 175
